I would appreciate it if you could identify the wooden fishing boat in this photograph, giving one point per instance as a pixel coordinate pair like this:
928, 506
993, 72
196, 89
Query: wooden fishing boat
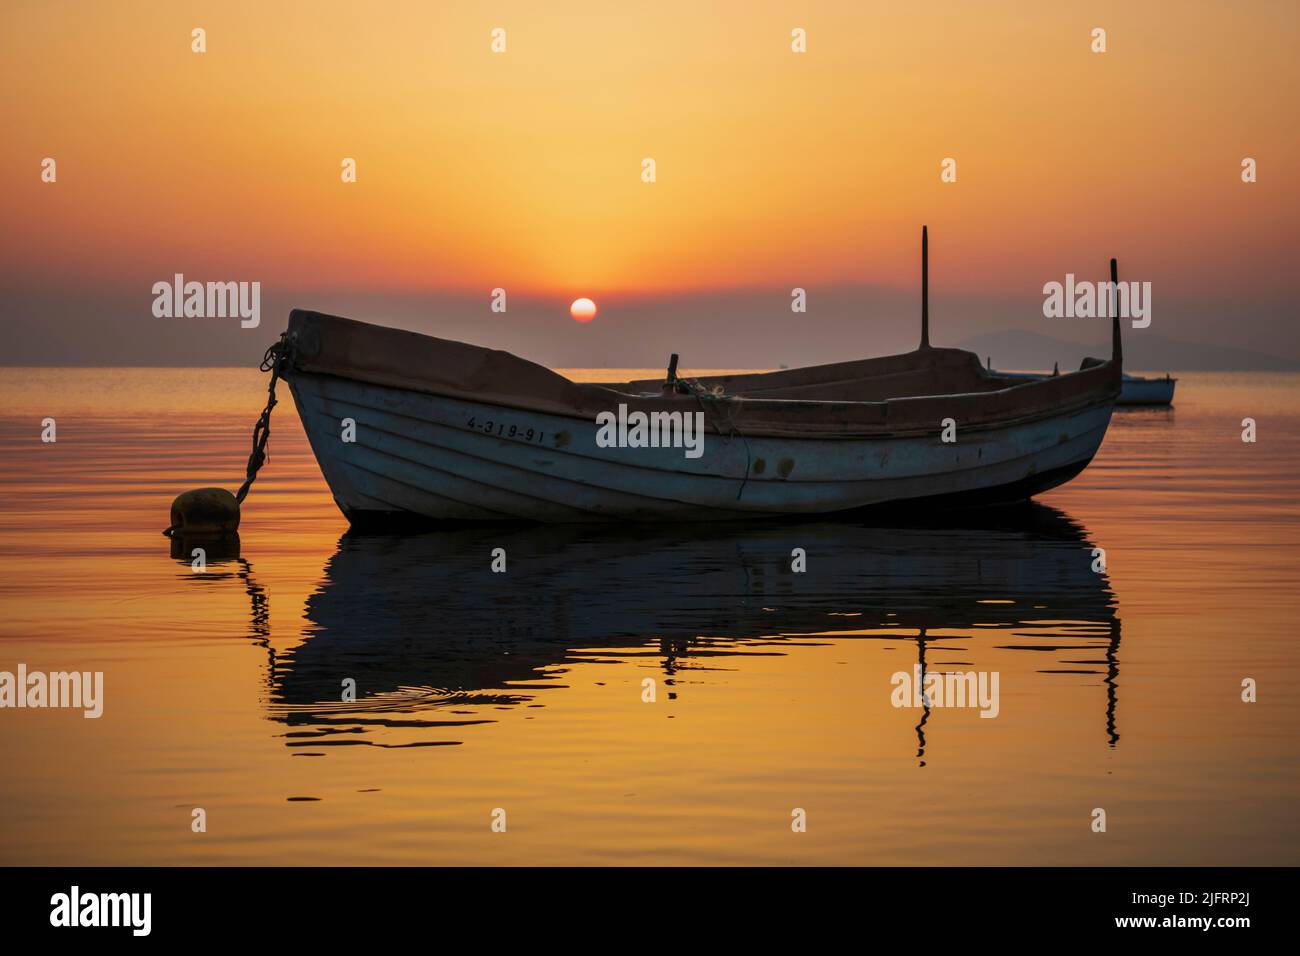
408, 427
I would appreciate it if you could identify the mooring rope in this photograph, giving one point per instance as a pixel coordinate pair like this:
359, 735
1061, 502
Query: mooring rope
277, 358
705, 398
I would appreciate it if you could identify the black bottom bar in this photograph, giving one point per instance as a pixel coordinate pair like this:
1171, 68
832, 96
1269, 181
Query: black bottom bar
967, 906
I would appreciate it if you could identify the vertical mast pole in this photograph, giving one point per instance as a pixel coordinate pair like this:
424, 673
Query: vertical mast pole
925, 288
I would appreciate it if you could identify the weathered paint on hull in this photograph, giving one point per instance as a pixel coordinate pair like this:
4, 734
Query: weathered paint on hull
451, 460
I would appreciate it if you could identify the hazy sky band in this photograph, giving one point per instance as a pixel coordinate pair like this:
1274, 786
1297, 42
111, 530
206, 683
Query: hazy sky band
521, 170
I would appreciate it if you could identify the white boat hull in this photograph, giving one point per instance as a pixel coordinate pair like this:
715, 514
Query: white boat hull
416, 454
1134, 390
1146, 391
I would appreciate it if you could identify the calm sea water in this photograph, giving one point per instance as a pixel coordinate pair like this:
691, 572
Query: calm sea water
523, 691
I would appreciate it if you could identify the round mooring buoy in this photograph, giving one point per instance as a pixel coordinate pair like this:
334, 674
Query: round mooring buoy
204, 511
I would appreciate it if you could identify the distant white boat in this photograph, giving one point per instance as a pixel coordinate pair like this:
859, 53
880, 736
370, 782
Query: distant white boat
1134, 389
447, 431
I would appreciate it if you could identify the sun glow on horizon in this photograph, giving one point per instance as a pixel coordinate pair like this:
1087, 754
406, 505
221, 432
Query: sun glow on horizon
583, 310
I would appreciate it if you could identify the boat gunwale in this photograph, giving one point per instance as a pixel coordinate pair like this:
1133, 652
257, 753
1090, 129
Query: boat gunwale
397, 358
1083, 404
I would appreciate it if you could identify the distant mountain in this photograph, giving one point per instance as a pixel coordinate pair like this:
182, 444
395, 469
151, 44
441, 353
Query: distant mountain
1032, 351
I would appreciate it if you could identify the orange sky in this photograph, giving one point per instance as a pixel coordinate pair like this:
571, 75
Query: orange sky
522, 169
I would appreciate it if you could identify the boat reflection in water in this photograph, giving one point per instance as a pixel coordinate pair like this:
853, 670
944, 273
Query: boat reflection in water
427, 630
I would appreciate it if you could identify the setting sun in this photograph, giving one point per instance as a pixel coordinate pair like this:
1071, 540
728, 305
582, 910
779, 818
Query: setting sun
583, 310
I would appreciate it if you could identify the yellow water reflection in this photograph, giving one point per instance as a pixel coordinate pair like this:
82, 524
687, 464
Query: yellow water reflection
525, 690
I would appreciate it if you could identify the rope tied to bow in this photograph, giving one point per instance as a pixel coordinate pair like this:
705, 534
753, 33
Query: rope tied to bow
713, 399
